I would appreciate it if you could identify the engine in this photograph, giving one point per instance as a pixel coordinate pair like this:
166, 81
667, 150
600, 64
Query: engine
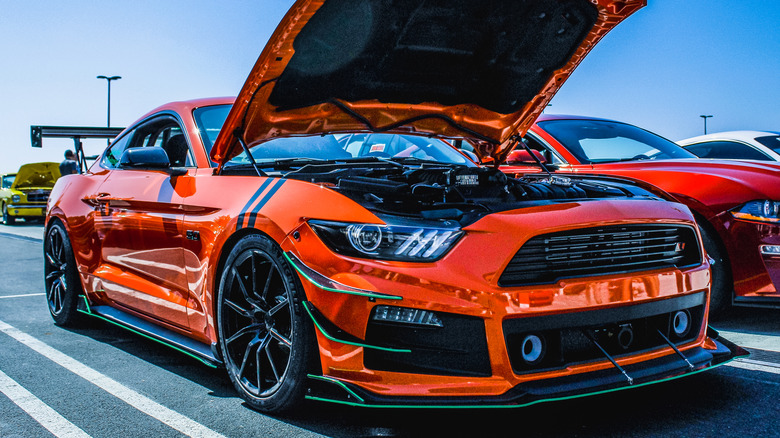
454, 192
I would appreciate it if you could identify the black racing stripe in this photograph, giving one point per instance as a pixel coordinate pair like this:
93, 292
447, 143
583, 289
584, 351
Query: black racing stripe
261, 204
251, 201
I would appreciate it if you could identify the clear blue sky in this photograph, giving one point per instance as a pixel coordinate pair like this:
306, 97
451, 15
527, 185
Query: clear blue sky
660, 69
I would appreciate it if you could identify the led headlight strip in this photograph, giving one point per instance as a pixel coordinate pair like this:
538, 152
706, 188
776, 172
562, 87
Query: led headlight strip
758, 211
326, 283
408, 243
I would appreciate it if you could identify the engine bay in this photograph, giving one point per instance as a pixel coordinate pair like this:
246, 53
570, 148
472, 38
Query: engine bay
452, 192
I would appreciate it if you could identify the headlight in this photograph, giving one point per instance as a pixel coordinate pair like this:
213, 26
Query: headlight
761, 211
16, 198
387, 242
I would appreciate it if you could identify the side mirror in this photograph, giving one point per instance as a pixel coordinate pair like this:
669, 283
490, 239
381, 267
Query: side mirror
150, 158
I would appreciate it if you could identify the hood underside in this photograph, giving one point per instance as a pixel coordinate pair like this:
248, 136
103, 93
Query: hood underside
453, 68
36, 175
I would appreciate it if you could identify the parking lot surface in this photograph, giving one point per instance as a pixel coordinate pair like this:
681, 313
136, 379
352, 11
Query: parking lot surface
102, 381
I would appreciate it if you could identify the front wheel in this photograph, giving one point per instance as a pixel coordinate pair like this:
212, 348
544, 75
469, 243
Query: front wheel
722, 286
264, 337
7, 218
61, 277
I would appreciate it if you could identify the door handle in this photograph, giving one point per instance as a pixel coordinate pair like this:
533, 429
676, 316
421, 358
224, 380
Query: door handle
100, 203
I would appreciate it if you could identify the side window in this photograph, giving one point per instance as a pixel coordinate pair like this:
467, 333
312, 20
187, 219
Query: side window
114, 153
172, 140
163, 132
727, 150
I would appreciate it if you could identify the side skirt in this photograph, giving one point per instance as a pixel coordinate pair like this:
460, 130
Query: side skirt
765, 302
198, 350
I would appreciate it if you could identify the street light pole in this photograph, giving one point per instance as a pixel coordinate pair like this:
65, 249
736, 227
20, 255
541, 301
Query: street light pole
705, 117
108, 111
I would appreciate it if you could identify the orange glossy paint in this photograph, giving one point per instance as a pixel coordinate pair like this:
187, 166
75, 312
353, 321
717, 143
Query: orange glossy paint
260, 121
153, 243
176, 286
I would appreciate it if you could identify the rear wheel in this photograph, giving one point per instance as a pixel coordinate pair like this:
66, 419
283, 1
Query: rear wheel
722, 286
61, 277
7, 218
263, 335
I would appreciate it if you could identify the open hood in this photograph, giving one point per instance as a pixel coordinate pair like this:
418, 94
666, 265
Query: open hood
451, 68
36, 175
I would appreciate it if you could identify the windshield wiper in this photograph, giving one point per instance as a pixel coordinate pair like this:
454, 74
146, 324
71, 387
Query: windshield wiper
415, 160
286, 163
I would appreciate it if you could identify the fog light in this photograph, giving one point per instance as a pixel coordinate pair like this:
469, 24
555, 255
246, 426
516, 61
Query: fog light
405, 315
772, 250
625, 336
532, 349
681, 323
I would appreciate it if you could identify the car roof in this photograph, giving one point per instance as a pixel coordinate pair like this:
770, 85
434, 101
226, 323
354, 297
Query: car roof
545, 117
745, 136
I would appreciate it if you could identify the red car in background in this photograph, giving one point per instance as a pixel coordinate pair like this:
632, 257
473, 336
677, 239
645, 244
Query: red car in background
736, 203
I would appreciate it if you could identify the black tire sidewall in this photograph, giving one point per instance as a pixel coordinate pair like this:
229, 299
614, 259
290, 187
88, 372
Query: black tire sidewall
292, 390
68, 315
7, 218
722, 287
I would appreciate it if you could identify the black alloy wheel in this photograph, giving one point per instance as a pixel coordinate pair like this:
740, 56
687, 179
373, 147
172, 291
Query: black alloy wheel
264, 337
61, 278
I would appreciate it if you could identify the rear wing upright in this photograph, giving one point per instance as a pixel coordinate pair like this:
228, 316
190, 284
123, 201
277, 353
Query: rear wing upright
37, 134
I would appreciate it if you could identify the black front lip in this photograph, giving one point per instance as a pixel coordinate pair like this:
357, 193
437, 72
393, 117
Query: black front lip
666, 368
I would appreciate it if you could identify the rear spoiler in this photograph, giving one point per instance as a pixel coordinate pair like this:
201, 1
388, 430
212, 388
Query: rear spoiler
37, 133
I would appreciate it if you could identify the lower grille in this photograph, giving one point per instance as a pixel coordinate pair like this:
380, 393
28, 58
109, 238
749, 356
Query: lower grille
600, 251
568, 339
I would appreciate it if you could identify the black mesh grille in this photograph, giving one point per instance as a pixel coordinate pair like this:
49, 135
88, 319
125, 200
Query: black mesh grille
459, 348
600, 251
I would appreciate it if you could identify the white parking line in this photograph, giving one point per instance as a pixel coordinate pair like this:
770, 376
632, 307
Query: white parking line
749, 340
38, 410
755, 365
23, 295
144, 404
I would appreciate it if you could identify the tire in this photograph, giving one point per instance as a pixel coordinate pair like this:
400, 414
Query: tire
264, 338
61, 277
722, 285
7, 218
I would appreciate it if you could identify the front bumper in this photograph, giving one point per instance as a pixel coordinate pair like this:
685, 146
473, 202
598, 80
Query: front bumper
27, 210
756, 273
665, 368
476, 361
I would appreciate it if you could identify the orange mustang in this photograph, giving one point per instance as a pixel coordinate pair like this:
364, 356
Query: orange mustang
320, 237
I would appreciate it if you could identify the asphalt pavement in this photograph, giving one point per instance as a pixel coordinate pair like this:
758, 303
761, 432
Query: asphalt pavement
99, 380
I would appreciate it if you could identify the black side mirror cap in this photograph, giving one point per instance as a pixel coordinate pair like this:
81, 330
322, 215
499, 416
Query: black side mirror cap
144, 158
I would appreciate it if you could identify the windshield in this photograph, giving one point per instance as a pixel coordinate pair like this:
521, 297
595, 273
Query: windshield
210, 120
598, 141
770, 141
397, 147
345, 147
8, 180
